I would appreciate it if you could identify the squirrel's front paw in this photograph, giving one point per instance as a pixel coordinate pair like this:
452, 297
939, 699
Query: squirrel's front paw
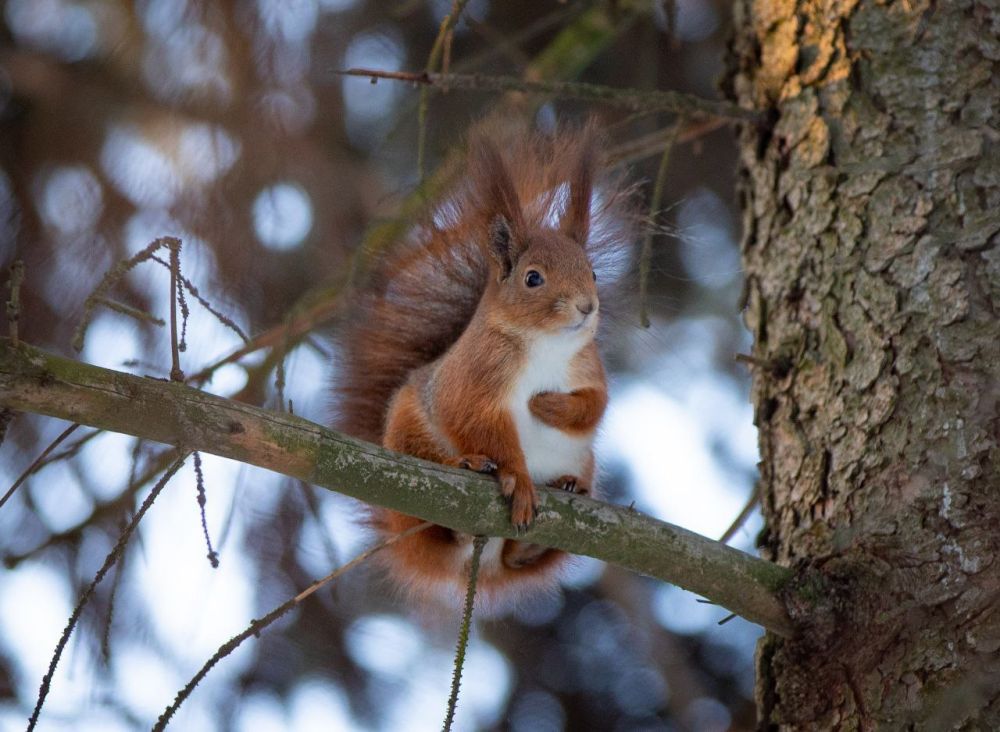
477, 463
520, 493
570, 483
548, 406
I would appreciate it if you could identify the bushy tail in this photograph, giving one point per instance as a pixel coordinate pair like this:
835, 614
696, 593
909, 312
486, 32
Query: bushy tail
420, 299
424, 293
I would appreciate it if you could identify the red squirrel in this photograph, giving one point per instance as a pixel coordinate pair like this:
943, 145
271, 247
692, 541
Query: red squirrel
474, 346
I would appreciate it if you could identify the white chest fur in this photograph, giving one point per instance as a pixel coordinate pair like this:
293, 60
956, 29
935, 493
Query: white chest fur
549, 452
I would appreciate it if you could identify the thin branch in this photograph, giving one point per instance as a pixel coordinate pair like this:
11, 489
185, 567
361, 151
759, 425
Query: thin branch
35, 381
509, 44
199, 478
14, 303
257, 626
102, 512
745, 513
281, 353
109, 562
70, 451
442, 46
632, 151
291, 330
109, 618
464, 631
175, 267
38, 462
630, 99
646, 255
136, 313
110, 279
190, 287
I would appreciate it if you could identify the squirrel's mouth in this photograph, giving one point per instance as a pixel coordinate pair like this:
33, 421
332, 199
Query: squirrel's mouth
585, 321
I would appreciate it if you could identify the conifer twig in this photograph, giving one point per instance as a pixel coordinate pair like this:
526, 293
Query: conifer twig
463, 635
109, 562
175, 266
199, 476
110, 279
256, 626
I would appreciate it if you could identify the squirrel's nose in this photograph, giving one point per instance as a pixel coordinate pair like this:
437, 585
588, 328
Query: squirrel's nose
586, 307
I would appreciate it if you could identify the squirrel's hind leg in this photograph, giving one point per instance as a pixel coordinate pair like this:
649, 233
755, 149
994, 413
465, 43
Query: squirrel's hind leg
476, 463
519, 554
407, 429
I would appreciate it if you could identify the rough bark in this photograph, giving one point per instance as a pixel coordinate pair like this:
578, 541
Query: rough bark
170, 412
872, 252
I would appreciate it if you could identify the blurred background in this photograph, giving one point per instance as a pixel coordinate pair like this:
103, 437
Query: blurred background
225, 124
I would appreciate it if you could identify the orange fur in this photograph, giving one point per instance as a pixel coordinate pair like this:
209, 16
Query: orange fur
478, 367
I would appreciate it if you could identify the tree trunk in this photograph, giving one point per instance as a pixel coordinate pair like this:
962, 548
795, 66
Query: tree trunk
872, 253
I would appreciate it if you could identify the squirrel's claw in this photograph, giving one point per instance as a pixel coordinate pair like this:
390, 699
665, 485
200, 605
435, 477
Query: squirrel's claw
522, 511
522, 499
477, 463
569, 483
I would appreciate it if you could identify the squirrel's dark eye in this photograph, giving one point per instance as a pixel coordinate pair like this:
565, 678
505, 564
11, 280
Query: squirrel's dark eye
533, 278
595, 276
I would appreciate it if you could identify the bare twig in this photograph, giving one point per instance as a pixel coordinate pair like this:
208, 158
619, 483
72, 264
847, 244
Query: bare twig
71, 450
14, 303
442, 46
654, 210
632, 151
279, 371
463, 635
110, 279
257, 626
631, 99
199, 477
190, 287
508, 44
120, 307
101, 513
38, 462
185, 310
741, 519
292, 329
110, 616
175, 267
109, 562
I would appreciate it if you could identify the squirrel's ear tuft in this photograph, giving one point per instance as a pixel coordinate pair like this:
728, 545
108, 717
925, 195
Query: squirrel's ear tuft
495, 195
502, 246
575, 222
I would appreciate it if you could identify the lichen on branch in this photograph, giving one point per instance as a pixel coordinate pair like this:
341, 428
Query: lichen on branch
173, 413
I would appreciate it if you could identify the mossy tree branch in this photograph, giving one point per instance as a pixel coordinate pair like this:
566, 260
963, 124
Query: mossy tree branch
32, 380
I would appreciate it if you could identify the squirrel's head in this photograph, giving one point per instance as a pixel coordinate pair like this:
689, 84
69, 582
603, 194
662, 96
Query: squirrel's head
543, 281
